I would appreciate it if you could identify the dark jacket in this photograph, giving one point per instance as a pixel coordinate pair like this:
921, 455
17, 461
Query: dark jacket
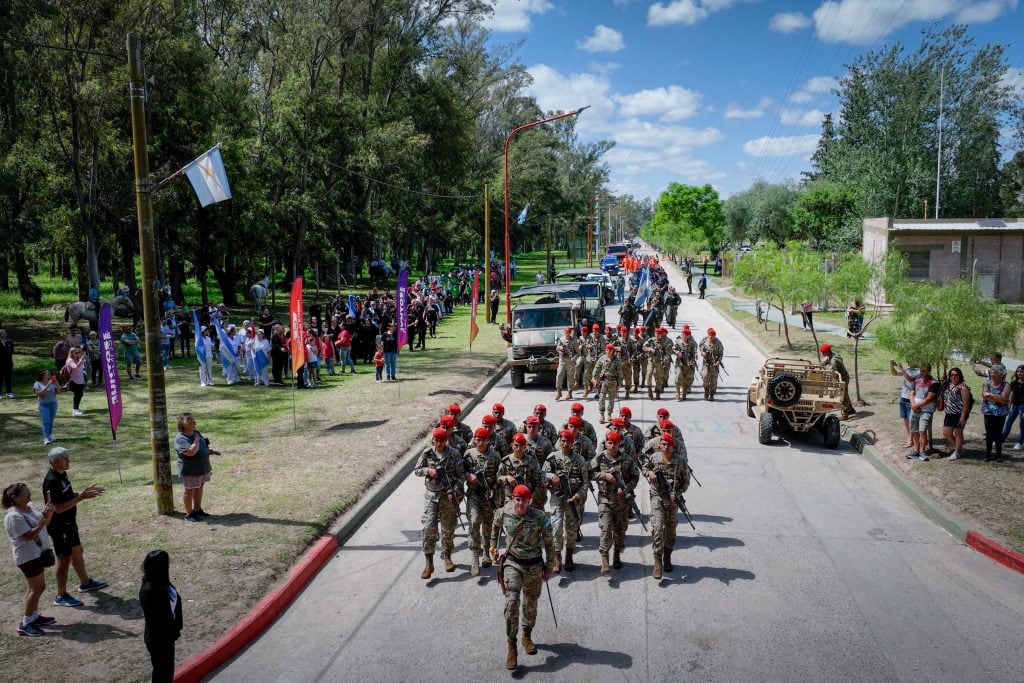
162, 624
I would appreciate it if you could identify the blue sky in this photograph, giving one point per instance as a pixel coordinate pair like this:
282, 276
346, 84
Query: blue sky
718, 91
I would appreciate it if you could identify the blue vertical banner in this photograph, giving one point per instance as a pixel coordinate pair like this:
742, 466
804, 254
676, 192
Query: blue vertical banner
108, 356
402, 309
201, 351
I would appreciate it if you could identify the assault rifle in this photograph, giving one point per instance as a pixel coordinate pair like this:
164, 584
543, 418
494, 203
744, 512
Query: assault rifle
630, 496
563, 492
664, 489
453, 494
481, 487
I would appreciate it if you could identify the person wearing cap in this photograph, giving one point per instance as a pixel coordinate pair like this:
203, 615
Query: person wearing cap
447, 422
639, 358
684, 352
581, 442
658, 350
712, 351
441, 503
593, 350
546, 429
612, 507
669, 477
529, 561
461, 427
522, 465
637, 434
627, 447
482, 461
581, 361
505, 428
565, 466
833, 361
664, 427
587, 429
567, 349
607, 375
672, 301
490, 423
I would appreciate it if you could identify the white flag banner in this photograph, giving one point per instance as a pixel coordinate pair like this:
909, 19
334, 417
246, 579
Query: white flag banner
208, 178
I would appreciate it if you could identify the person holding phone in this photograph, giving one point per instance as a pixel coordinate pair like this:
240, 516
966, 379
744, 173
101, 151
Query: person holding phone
25, 525
46, 390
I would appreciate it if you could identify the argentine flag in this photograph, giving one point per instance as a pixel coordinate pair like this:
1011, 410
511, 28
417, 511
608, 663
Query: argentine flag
522, 215
228, 353
644, 290
208, 177
201, 350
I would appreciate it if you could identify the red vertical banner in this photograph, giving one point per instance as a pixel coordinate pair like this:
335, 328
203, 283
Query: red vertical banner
474, 329
298, 327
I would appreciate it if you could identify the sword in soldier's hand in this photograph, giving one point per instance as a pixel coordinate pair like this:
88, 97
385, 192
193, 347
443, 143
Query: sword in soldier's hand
550, 601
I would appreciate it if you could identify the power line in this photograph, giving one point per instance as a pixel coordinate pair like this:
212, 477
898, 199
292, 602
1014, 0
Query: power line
62, 48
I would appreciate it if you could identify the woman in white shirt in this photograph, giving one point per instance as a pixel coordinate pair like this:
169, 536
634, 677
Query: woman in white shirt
26, 526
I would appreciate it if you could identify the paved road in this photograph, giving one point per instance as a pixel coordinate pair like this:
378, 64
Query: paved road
806, 565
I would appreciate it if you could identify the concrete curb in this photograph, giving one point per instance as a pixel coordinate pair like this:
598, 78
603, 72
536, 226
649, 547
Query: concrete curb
955, 527
266, 611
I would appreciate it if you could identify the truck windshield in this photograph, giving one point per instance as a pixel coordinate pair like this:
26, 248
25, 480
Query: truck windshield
548, 317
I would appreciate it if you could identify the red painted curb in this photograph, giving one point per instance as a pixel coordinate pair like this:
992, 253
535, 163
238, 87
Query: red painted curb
994, 551
259, 617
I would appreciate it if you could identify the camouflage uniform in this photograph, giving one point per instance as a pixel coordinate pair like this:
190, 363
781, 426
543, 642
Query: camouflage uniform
663, 507
625, 347
685, 353
526, 471
576, 470
612, 508
568, 351
712, 351
524, 565
480, 509
639, 361
581, 361
657, 350
636, 434
835, 362
594, 350
610, 369
438, 506
506, 429
455, 441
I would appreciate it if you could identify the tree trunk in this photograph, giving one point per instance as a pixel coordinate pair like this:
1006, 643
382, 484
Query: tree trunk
127, 245
31, 293
785, 322
5, 281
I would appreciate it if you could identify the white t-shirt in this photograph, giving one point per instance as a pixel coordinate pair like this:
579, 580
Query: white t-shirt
908, 384
18, 522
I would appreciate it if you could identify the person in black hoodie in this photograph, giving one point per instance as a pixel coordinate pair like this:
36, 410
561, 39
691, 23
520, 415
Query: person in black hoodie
161, 608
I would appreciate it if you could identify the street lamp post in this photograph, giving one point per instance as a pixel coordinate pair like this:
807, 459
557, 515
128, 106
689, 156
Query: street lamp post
508, 246
590, 232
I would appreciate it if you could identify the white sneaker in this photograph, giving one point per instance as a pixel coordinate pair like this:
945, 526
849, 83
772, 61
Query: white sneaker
1018, 446
10, 395
76, 412
46, 442
954, 456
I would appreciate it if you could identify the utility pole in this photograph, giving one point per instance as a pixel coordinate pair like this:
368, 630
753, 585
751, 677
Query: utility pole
487, 243
938, 157
144, 208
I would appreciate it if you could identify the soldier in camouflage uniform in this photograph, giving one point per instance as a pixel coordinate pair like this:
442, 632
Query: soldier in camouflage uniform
497, 442
627, 445
568, 351
672, 301
447, 422
684, 351
566, 464
833, 361
522, 466
640, 359
587, 429
612, 507
593, 349
638, 434
440, 503
675, 479
581, 361
547, 430
625, 347
712, 351
526, 529
657, 350
482, 461
607, 374
581, 442
461, 427
504, 428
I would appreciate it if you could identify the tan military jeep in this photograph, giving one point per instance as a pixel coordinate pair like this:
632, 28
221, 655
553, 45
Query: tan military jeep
792, 395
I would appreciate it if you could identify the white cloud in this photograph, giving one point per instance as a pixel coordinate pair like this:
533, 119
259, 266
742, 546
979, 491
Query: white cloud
1014, 80
796, 145
603, 68
862, 22
676, 160
514, 15
686, 12
604, 39
735, 112
787, 22
555, 92
634, 132
796, 117
669, 104
801, 97
821, 84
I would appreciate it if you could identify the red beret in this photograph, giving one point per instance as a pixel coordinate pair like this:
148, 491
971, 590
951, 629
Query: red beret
639, 329
661, 330
621, 327
446, 421
614, 437
519, 437
499, 408
576, 406
609, 347
618, 422
489, 419
826, 348
666, 424
522, 491
667, 438
607, 328
686, 329
567, 434
532, 420
662, 412
482, 432
540, 408
440, 433
624, 410
568, 329
596, 327
454, 408
575, 421
711, 330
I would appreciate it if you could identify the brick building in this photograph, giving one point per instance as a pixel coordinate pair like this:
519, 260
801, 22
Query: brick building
988, 249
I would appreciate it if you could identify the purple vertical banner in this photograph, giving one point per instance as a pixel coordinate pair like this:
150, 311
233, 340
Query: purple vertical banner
108, 356
402, 309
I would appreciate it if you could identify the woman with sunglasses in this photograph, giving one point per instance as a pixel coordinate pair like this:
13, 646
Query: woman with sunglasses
954, 401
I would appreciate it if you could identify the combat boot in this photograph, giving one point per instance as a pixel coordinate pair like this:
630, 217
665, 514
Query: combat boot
429, 569
528, 645
601, 421
604, 564
449, 566
557, 567
569, 564
512, 658
650, 391
656, 569
558, 395
679, 394
617, 559
486, 561
666, 563
474, 568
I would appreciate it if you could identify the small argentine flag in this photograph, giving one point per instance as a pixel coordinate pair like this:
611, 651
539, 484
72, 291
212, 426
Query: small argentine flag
522, 215
208, 177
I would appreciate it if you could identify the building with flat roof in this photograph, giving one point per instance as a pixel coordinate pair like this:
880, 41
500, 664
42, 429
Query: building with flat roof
990, 250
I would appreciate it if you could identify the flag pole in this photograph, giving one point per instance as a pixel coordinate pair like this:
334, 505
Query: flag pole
117, 459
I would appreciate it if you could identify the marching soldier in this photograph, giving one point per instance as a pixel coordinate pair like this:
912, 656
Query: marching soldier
594, 347
638, 434
617, 477
587, 429
712, 351
833, 361
581, 361
685, 353
447, 422
669, 477
568, 350
672, 301
490, 423
523, 464
461, 427
640, 359
607, 372
547, 430
625, 347
627, 445
657, 350
504, 427
483, 498
443, 473
581, 442
566, 471
522, 568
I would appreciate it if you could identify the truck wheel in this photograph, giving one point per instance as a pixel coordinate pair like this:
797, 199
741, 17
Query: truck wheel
784, 389
750, 408
518, 377
831, 430
764, 428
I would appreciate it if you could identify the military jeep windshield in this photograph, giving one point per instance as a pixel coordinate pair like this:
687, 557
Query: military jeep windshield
531, 319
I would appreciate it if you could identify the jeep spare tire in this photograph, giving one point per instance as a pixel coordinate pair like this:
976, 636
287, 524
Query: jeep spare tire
784, 389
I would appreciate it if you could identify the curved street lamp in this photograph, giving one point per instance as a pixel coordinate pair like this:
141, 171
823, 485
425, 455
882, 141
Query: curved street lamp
590, 232
508, 274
